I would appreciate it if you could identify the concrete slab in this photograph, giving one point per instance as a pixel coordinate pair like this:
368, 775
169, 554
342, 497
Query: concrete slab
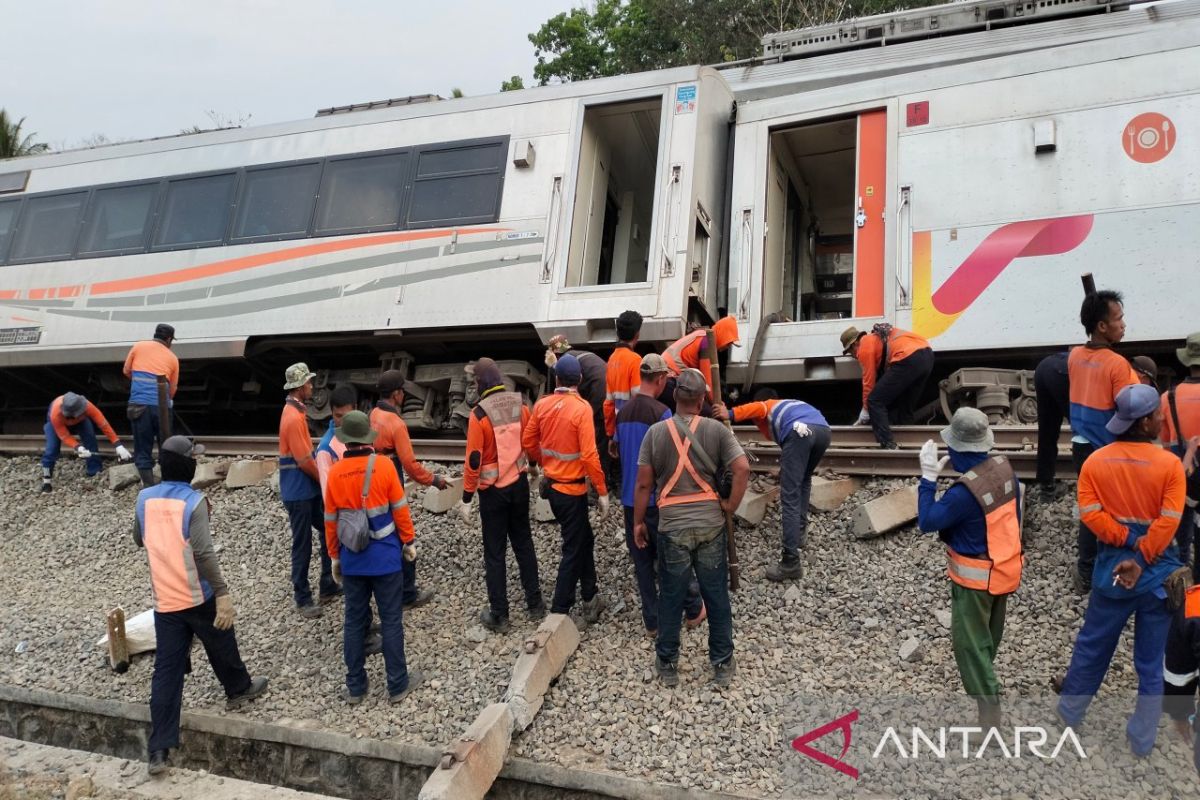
249, 473
470, 764
884, 514
210, 473
828, 494
754, 505
545, 654
542, 511
439, 501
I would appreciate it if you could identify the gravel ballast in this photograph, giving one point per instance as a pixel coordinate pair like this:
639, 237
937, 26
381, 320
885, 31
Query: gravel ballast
807, 652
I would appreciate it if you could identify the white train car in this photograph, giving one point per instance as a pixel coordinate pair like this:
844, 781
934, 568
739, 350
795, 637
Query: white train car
959, 186
424, 235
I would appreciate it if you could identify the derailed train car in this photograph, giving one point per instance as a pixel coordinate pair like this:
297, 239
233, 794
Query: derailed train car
951, 170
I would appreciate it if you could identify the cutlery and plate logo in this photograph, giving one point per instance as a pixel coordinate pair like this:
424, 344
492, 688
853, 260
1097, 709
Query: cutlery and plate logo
1148, 137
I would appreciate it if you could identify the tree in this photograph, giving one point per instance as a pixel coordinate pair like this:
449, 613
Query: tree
456, 93
12, 143
512, 84
616, 37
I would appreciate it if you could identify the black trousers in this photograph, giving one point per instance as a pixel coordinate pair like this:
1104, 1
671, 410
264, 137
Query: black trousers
173, 631
504, 513
578, 562
1053, 392
1085, 540
895, 395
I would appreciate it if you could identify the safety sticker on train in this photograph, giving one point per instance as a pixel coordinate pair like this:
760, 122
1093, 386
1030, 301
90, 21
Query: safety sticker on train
685, 99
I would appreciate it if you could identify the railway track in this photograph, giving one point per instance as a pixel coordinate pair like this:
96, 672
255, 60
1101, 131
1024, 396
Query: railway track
853, 452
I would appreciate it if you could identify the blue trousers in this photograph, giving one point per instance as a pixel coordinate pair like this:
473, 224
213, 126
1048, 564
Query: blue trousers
85, 431
1094, 646
646, 572
679, 553
307, 516
173, 632
145, 433
388, 591
799, 457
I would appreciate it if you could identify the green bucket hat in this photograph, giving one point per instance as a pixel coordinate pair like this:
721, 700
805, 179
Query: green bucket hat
1189, 354
297, 375
355, 429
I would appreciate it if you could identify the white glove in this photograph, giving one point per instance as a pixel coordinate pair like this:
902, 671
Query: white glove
410, 552
801, 429
83, 452
122, 453
603, 505
464, 512
863, 418
931, 466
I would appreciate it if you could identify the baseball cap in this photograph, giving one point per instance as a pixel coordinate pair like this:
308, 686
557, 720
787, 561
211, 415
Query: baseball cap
182, 446
567, 369
297, 375
73, 405
1145, 366
390, 381
691, 383
653, 364
1133, 403
164, 331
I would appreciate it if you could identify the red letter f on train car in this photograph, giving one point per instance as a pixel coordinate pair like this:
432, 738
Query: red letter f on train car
800, 744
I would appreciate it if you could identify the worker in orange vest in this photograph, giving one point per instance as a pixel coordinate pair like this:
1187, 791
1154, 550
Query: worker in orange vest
623, 379
895, 365
496, 467
146, 362
72, 420
691, 352
979, 521
561, 438
394, 442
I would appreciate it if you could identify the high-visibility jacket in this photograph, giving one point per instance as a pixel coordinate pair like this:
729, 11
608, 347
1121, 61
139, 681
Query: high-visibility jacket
561, 437
690, 351
683, 445
329, 452
298, 476
775, 418
393, 441
622, 381
145, 362
1131, 496
57, 419
993, 484
901, 344
164, 514
495, 455
1096, 374
386, 507
1187, 403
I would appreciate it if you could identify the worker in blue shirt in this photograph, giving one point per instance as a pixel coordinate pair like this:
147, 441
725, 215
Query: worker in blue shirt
979, 521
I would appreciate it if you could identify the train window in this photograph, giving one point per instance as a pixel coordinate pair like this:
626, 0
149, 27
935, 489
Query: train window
458, 185
8, 219
48, 227
277, 202
117, 219
359, 194
196, 211
614, 194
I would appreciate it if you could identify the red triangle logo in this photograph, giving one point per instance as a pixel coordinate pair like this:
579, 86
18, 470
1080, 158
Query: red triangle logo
800, 743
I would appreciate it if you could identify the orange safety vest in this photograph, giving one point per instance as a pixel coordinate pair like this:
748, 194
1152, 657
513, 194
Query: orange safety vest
673, 355
504, 409
164, 512
1191, 603
993, 484
665, 497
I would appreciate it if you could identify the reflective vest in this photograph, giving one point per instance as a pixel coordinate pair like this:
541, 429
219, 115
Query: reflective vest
164, 513
295, 445
146, 361
1191, 603
673, 355
785, 413
682, 446
993, 484
504, 409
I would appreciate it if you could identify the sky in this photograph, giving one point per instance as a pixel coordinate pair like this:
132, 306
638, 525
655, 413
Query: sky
135, 69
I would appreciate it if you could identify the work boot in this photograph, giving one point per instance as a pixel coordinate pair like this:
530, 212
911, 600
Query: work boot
1056, 683
991, 715
353, 699
46, 475
1082, 585
889, 446
325, 598
158, 762
592, 609
538, 611
309, 611
423, 597
668, 672
493, 621
789, 568
373, 645
147, 476
723, 673
415, 679
257, 687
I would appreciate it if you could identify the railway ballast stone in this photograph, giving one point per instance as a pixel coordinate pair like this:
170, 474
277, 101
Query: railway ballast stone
912, 650
886, 513
122, 475
209, 473
439, 501
248, 473
470, 779
829, 493
553, 643
754, 506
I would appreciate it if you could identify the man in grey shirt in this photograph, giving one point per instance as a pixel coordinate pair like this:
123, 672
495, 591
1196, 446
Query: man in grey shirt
680, 457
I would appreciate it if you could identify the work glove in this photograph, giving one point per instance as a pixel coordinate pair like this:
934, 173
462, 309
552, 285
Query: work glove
801, 429
122, 453
931, 465
863, 418
464, 512
83, 452
224, 619
1176, 586
551, 359
335, 567
410, 552
603, 504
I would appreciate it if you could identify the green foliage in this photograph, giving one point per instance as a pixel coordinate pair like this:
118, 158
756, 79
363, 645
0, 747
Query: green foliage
12, 143
456, 93
512, 84
615, 37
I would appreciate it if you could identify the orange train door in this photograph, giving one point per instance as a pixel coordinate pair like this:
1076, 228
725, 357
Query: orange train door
869, 220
